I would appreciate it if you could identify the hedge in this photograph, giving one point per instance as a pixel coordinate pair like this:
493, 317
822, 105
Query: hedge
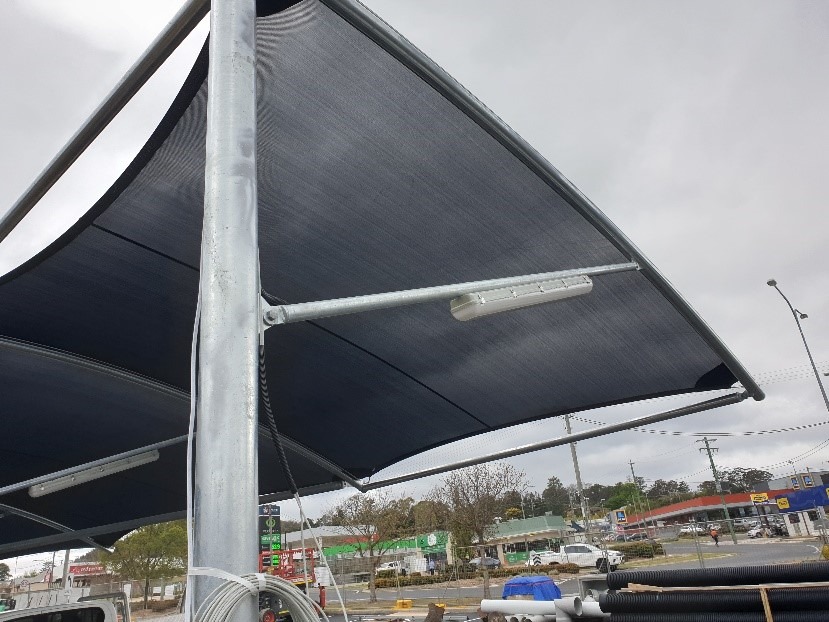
638, 550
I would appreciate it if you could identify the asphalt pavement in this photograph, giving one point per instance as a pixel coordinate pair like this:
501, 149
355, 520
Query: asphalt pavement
745, 553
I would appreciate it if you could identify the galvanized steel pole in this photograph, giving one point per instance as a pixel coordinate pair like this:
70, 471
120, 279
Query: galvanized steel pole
585, 512
226, 482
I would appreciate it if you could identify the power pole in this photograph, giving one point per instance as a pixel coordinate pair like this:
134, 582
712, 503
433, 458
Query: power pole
718, 485
585, 512
639, 495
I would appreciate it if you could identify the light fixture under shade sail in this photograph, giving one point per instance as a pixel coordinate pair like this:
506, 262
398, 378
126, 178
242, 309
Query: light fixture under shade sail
81, 477
479, 304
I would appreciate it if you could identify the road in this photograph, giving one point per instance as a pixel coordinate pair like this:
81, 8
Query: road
746, 553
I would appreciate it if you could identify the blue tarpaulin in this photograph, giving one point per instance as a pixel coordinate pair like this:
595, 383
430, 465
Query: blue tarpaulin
540, 588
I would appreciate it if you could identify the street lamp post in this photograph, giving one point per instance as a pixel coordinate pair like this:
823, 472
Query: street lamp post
798, 315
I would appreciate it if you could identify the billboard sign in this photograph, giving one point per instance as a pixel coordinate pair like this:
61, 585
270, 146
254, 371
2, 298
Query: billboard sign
270, 528
621, 516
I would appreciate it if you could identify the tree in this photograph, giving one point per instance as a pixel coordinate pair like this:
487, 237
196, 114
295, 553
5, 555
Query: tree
596, 492
5, 572
428, 515
474, 497
151, 552
377, 521
512, 513
288, 525
624, 494
533, 504
556, 497
744, 480
707, 488
667, 488
91, 556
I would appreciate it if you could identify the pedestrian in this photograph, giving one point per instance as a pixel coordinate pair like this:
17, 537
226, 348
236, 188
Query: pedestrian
431, 566
715, 536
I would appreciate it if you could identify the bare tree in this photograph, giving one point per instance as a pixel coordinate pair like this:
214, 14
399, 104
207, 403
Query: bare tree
474, 497
377, 521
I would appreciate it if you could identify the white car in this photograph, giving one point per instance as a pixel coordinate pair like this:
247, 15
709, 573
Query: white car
585, 555
399, 567
690, 529
756, 532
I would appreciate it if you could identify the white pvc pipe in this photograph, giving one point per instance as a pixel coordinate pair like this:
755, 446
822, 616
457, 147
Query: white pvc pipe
570, 606
519, 607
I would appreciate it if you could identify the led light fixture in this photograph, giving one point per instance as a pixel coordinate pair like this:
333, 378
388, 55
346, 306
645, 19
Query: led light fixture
93, 473
479, 304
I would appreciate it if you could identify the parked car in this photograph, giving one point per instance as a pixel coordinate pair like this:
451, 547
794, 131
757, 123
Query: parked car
637, 537
585, 555
397, 566
746, 522
755, 532
487, 562
711, 526
690, 529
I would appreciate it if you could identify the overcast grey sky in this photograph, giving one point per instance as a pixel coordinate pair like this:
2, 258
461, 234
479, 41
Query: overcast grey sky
700, 128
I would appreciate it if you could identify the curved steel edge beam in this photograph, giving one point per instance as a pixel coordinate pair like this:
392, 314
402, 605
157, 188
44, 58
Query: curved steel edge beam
142, 70
399, 47
93, 365
725, 400
49, 523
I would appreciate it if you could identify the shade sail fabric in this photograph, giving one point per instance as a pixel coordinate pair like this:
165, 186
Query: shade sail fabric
376, 173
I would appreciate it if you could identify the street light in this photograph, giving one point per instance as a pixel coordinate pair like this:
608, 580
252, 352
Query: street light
798, 315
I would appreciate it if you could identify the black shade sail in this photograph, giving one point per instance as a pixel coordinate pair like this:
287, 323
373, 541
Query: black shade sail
377, 172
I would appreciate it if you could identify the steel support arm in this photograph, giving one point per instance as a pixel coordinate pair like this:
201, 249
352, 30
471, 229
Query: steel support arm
304, 311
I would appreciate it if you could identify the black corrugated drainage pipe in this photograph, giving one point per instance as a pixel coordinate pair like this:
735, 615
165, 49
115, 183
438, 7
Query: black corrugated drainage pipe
745, 575
783, 616
785, 599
